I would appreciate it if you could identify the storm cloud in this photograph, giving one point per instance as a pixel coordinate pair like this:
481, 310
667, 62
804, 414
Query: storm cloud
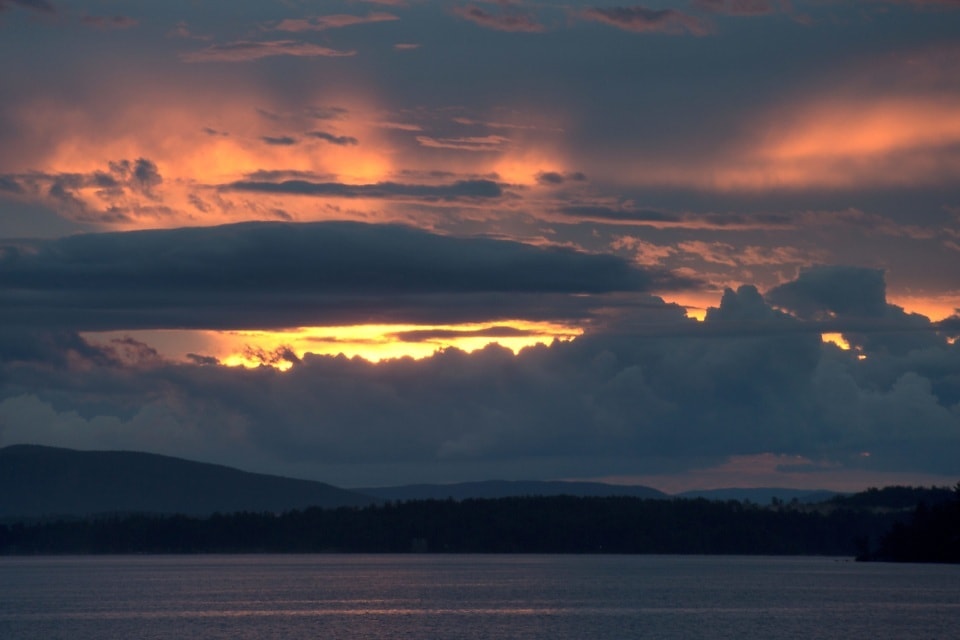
241, 275
761, 172
456, 190
607, 402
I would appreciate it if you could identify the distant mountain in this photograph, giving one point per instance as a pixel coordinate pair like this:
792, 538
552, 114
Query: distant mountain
508, 489
762, 496
43, 481
896, 498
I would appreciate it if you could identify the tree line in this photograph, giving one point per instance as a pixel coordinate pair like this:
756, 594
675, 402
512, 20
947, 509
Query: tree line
547, 524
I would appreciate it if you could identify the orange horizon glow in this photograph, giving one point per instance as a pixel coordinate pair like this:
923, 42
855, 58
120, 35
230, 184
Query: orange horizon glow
374, 343
770, 470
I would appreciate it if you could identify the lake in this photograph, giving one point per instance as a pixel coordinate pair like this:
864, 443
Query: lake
472, 597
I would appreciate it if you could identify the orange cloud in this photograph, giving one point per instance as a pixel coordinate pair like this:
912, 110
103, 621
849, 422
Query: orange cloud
197, 138
893, 121
778, 470
281, 349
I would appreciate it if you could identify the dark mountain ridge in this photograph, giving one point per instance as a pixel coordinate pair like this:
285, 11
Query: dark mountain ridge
492, 489
37, 481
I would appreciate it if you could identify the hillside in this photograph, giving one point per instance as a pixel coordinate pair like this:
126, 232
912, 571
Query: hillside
40, 481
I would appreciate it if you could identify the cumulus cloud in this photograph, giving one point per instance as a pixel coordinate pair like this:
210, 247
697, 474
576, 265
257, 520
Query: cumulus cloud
245, 50
833, 290
609, 402
849, 296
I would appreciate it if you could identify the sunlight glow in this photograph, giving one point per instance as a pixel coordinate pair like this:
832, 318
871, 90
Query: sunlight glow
837, 339
281, 349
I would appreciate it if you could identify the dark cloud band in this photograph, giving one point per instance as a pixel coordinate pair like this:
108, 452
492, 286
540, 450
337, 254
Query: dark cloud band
277, 274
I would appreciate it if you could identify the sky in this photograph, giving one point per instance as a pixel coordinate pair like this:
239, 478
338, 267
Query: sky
687, 244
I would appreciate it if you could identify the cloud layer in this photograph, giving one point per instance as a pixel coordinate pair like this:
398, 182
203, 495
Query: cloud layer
258, 275
655, 393
213, 191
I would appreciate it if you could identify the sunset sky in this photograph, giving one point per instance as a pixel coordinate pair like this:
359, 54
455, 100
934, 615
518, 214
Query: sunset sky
688, 244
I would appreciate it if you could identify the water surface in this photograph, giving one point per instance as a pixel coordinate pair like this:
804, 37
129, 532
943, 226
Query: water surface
370, 597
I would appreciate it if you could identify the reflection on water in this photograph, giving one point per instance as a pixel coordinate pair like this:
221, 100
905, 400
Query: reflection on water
473, 597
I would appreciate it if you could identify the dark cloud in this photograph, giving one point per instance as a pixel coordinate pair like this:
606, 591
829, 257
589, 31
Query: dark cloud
336, 21
116, 188
109, 22
951, 325
846, 296
285, 174
507, 19
276, 274
246, 50
551, 178
333, 139
43, 6
644, 20
454, 191
144, 174
10, 185
605, 403
328, 113
283, 141
833, 290
736, 7
946, 4
617, 216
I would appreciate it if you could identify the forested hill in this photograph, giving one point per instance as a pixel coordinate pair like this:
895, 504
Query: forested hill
549, 524
40, 481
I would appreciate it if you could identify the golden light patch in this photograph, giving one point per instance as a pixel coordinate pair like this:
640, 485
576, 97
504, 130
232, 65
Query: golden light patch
522, 168
201, 141
835, 142
695, 303
375, 343
776, 470
837, 339
934, 306
858, 129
